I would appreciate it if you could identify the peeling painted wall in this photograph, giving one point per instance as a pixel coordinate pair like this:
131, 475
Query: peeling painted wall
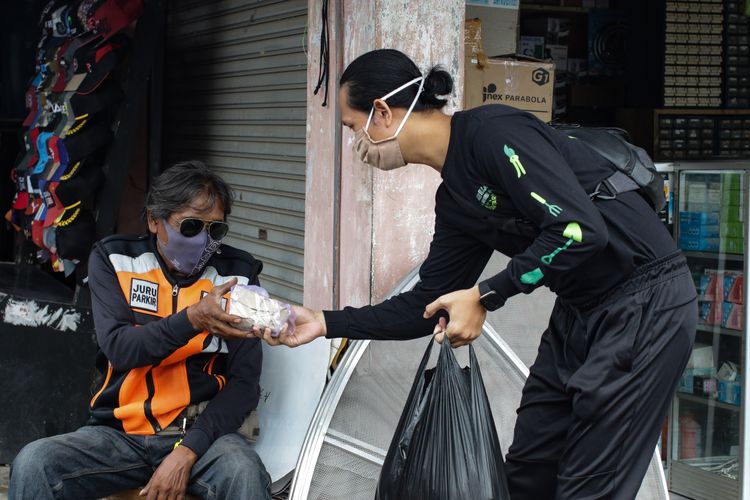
321, 190
403, 205
386, 218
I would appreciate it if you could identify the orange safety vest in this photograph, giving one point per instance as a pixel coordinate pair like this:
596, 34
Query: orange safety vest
147, 399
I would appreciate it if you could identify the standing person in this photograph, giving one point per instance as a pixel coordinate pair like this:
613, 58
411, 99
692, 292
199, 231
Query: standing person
178, 378
623, 325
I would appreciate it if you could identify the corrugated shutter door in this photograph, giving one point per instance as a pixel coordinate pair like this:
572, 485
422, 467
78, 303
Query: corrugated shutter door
235, 79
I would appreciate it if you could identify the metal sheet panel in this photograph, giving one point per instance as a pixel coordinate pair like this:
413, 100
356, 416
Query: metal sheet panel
353, 425
236, 99
701, 485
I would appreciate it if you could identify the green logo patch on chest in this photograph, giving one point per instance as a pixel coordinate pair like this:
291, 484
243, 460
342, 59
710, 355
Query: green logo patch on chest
487, 198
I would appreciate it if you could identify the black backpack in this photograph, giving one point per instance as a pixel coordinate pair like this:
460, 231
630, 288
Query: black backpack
634, 169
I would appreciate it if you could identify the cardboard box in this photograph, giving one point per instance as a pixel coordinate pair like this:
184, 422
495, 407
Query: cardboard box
473, 36
520, 82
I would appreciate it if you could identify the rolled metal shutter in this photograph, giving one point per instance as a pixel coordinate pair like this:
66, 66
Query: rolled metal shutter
234, 97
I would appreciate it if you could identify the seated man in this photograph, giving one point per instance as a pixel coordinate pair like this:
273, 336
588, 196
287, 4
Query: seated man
166, 345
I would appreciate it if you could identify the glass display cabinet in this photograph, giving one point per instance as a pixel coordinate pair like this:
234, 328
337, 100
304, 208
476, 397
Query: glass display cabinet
707, 421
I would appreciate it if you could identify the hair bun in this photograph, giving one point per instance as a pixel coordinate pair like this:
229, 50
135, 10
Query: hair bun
438, 86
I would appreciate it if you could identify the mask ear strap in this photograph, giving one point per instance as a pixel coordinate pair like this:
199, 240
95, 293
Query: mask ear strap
413, 103
402, 87
369, 119
394, 92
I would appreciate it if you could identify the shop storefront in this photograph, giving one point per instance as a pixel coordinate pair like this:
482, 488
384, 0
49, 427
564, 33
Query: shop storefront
231, 83
675, 75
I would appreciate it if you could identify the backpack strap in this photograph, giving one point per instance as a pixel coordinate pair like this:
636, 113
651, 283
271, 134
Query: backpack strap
634, 169
615, 184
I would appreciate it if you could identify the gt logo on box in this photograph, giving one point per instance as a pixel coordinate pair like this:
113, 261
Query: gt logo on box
144, 295
540, 76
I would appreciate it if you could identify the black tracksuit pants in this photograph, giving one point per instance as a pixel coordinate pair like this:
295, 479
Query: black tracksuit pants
595, 400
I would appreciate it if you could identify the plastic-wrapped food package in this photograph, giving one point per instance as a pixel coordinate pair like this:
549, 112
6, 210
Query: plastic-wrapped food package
253, 304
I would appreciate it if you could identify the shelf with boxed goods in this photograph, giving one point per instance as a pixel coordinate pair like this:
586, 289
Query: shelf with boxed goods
721, 300
701, 134
702, 383
706, 426
693, 54
736, 55
706, 54
712, 215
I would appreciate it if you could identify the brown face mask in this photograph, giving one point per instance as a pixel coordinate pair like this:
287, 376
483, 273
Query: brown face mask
384, 154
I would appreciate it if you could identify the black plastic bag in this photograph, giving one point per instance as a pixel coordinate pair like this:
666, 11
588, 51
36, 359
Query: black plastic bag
445, 446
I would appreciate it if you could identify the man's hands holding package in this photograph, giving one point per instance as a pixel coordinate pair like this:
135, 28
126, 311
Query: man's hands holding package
309, 325
209, 315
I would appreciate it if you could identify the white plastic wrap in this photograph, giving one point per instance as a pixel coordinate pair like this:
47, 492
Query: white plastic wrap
253, 304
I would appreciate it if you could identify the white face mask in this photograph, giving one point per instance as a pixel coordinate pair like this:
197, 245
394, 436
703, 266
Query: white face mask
384, 154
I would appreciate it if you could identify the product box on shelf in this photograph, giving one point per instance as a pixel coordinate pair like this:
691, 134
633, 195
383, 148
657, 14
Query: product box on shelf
691, 375
532, 46
731, 197
702, 357
699, 230
733, 283
700, 365
710, 313
705, 385
732, 245
736, 293
696, 192
714, 287
559, 54
732, 315
707, 218
729, 392
731, 230
699, 244
721, 286
731, 213
555, 30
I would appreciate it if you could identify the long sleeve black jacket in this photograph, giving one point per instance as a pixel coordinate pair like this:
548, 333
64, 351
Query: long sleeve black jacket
513, 184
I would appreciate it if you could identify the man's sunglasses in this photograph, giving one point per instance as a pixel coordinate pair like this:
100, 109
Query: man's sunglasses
191, 226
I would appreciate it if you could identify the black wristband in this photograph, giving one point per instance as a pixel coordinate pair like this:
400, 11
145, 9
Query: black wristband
489, 298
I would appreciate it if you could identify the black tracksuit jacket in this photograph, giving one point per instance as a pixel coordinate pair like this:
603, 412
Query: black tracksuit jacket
513, 184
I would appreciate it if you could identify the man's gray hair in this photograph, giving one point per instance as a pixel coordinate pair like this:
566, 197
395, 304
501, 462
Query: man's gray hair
179, 185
